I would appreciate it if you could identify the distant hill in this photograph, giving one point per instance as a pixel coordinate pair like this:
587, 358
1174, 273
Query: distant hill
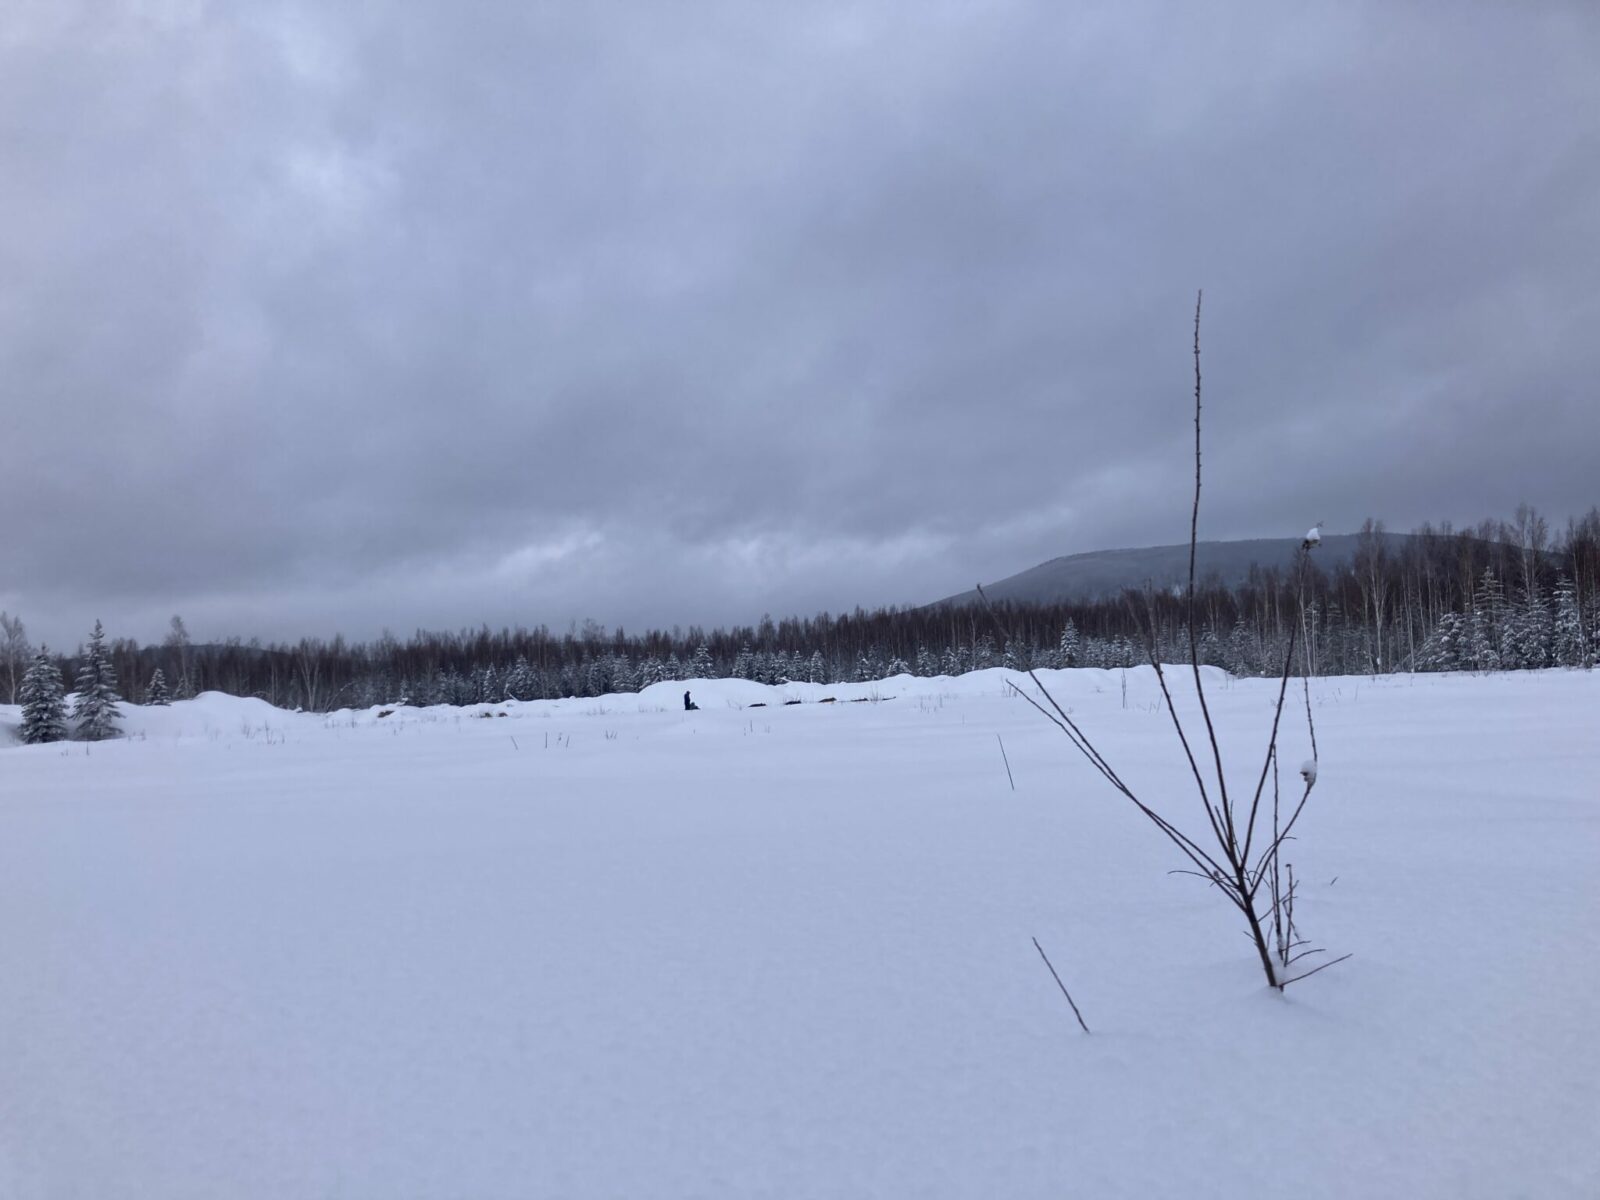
1106, 573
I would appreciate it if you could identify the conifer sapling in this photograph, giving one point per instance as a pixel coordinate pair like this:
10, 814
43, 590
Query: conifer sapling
95, 708
44, 710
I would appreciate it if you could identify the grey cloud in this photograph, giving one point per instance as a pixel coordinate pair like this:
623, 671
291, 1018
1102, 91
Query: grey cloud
323, 318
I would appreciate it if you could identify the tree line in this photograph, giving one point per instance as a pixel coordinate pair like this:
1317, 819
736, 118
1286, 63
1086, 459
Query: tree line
1502, 595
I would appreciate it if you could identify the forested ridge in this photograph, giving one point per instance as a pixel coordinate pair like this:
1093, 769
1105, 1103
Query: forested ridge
1503, 595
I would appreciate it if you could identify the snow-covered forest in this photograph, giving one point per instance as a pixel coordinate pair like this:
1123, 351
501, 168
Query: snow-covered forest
1504, 595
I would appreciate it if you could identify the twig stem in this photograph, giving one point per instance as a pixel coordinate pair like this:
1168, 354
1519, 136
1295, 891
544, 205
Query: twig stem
1063, 986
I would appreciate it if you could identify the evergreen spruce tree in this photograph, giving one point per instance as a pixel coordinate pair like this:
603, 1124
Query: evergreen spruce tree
701, 666
1127, 652
984, 654
44, 710
448, 688
624, 678
519, 680
1528, 634
927, 664
95, 706
157, 694
817, 668
1449, 646
744, 663
1567, 646
1070, 647
1488, 605
1243, 658
1090, 653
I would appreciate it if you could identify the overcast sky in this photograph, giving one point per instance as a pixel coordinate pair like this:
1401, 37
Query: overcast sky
336, 316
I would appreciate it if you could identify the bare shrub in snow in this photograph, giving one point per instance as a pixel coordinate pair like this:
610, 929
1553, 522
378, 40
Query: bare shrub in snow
1240, 851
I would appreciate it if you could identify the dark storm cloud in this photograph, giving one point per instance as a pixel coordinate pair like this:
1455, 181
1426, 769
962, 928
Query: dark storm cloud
323, 317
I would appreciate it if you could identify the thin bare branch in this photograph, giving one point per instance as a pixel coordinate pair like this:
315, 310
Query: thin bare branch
1060, 985
1280, 839
1307, 975
1194, 648
1311, 725
1277, 716
1153, 653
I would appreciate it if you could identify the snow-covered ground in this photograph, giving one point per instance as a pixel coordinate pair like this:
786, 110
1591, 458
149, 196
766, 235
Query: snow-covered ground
613, 949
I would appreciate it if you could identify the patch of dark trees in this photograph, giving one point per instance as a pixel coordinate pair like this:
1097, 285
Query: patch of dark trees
1503, 595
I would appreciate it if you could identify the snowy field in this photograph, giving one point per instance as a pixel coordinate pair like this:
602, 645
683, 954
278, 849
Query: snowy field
613, 949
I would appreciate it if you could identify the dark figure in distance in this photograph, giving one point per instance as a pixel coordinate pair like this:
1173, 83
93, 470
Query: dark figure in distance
688, 704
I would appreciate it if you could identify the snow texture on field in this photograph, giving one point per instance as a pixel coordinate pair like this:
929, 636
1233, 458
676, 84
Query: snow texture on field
613, 949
